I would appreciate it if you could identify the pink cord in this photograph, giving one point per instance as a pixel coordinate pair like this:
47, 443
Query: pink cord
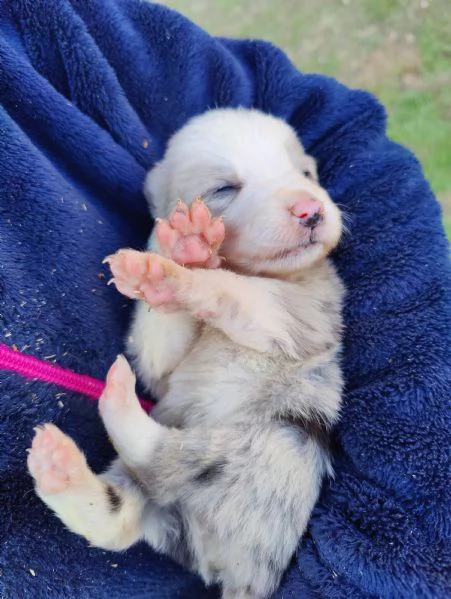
33, 368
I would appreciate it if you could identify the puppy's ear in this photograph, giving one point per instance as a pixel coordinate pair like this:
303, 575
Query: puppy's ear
156, 189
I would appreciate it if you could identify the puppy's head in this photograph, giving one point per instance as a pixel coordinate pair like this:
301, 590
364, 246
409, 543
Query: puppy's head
252, 169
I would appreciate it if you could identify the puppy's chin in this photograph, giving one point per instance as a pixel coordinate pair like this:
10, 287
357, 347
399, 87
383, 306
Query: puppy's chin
282, 264
300, 253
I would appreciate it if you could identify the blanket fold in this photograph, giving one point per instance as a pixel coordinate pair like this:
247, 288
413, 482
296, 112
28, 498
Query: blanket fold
90, 92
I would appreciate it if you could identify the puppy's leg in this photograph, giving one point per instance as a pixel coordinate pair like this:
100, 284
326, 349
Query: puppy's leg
106, 510
249, 310
158, 341
214, 479
132, 432
162, 458
109, 510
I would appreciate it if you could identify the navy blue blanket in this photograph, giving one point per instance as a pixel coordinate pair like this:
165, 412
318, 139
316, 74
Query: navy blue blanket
90, 91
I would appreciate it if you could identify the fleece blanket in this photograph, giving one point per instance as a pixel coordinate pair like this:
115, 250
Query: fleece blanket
90, 91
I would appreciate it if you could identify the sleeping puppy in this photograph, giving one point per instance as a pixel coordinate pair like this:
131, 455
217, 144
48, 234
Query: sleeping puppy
241, 349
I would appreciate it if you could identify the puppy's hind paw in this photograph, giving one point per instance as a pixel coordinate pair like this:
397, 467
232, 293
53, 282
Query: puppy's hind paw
119, 392
55, 462
130, 429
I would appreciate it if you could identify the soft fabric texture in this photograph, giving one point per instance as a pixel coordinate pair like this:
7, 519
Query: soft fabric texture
90, 91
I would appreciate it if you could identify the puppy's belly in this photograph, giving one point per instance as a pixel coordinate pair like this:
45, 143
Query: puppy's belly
212, 385
220, 383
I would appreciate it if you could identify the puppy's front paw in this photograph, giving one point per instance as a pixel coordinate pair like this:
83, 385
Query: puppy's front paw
55, 462
191, 236
146, 276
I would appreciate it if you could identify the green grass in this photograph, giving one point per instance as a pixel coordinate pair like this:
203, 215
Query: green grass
435, 42
417, 122
381, 10
398, 49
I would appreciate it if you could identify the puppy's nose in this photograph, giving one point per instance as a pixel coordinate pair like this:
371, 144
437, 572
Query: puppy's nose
308, 210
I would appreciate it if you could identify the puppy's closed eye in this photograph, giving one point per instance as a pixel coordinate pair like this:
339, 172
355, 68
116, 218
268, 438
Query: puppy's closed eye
221, 196
227, 188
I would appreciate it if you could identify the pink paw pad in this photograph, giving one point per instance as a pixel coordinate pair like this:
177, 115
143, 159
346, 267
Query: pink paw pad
54, 461
135, 272
191, 236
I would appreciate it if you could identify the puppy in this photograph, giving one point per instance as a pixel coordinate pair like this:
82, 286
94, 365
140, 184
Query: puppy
241, 348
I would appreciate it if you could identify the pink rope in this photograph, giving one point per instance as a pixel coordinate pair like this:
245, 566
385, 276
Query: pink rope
33, 368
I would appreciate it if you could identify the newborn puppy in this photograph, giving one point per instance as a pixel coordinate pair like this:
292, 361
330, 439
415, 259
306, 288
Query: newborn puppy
241, 349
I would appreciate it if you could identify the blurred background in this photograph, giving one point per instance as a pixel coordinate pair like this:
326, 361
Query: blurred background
398, 49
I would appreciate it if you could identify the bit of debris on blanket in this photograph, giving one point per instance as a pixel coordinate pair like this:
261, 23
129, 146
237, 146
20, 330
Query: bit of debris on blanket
145, 144
32, 572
